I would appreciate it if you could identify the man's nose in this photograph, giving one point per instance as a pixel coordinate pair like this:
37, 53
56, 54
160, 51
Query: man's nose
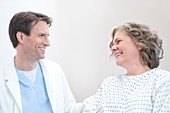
46, 41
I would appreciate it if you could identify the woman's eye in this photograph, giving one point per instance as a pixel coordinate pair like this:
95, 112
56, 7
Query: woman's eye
118, 41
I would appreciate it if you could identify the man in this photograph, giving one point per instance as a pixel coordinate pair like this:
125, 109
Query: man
29, 83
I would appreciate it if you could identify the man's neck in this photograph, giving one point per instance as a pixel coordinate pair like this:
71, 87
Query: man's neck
24, 64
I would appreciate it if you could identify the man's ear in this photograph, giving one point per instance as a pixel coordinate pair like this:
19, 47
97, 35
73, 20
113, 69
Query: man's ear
20, 37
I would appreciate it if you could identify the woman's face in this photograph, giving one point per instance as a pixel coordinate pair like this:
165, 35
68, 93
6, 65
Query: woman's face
125, 51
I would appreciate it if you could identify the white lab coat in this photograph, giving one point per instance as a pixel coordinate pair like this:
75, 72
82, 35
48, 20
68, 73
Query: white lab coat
60, 95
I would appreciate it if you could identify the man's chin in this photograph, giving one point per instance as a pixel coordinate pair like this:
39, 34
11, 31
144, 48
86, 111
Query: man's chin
42, 57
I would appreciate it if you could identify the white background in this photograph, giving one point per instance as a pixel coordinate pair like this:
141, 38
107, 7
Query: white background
81, 33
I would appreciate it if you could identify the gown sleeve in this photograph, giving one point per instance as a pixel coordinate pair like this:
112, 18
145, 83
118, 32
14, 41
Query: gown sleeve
162, 95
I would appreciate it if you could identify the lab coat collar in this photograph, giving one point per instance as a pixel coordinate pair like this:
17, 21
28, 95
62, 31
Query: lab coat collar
12, 83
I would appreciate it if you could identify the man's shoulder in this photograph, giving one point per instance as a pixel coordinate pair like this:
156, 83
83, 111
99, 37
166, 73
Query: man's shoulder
46, 63
7, 66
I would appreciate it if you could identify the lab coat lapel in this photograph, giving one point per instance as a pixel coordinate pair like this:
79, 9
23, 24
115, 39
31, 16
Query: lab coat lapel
12, 83
50, 91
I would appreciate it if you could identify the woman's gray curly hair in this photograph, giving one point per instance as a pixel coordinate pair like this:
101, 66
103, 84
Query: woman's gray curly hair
148, 40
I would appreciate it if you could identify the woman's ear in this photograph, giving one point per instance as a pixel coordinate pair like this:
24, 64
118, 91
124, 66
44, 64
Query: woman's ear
139, 47
20, 37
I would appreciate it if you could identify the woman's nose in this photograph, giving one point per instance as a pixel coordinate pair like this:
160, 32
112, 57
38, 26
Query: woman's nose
114, 47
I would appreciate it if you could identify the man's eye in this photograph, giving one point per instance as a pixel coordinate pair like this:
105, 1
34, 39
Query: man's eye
42, 35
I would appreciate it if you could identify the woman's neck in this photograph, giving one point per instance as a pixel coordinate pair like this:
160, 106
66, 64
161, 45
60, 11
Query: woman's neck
136, 70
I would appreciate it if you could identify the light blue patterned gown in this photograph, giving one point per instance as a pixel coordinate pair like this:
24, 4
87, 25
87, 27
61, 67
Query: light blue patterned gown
145, 93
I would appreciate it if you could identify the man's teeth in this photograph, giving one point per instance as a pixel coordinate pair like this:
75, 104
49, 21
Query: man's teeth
43, 49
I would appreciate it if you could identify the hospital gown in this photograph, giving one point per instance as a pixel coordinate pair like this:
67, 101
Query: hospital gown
145, 93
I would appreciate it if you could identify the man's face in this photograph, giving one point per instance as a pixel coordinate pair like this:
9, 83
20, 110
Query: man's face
35, 45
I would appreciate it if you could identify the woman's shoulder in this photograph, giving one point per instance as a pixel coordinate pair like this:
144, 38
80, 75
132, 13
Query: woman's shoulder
160, 73
113, 79
161, 77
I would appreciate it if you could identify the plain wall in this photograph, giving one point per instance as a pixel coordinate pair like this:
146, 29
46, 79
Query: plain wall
81, 33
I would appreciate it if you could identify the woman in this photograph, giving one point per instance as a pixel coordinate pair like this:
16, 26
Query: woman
144, 88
